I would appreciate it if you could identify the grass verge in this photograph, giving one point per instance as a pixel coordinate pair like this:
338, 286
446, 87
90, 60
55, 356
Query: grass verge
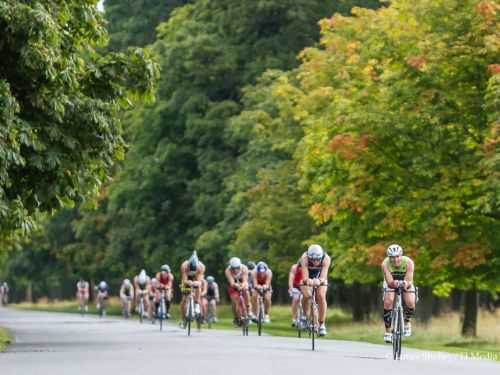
4, 339
441, 335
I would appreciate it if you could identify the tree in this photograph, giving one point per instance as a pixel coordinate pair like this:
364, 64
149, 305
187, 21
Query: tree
133, 22
401, 140
59, 100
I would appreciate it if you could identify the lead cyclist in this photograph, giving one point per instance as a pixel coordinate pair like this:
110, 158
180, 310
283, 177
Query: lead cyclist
398, 270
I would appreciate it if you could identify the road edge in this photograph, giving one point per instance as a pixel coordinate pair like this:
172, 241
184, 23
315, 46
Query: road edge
5, 339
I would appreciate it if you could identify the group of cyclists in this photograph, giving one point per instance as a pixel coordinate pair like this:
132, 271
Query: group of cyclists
246, 282
4, 293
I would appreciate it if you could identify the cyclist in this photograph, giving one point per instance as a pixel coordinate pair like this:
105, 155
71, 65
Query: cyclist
83, 293
165, 281
237, 277
142, 286
398, 271
4, 293
192, 275
315, 264
211, 296
102, 295
126, 295
262, 278
294, 281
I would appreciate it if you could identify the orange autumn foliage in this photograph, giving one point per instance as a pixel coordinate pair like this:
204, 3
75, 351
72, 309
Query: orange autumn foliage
470, 255
348, 146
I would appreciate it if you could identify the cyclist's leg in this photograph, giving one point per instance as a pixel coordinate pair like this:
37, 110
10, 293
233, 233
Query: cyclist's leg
184, 305
409, 309
387, 314
306, 293
213, 302
255, 306
267, 301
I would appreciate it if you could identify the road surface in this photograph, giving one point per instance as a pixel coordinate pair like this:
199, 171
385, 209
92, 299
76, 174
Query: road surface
67, 344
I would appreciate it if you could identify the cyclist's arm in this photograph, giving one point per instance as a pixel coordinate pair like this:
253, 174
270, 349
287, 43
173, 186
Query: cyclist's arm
269, 278
170, 281
132, 291
230, 278
200, 274
244, 277
388, 276
254, 280
323, 276
305, 269
216, 292
409, 274
291, 276
184, 274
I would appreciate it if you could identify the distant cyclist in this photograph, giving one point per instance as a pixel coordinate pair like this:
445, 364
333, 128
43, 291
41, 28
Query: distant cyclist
211, 296
83, 293
262, 278
294, 285
237, 278
4, 293
142, 285
166, 281
126, 296
192, 275
102, 295
398, 271
315, 265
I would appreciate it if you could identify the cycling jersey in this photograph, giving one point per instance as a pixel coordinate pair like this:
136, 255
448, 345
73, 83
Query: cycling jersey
164, 279
297, 279
398, 273
211, 291
261, 278
127, 291
315, 271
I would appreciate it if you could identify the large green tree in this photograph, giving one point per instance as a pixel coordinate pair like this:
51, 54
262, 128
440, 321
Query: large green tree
59, 100
400, 113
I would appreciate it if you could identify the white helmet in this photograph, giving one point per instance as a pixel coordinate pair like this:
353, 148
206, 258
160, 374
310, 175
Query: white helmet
103, 285
315, 252
126, 283
235, 262
394, 250
142, 277
154, 282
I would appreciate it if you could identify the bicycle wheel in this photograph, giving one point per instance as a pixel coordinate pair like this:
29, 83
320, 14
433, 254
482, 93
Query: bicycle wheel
189, 316
141, 310
161, 313
260, 319
396, 335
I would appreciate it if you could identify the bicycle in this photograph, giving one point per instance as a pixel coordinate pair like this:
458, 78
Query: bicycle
210, 312
82, 305
313, 321
101, 307
244, 319
140, 307
162, 310
125, 307
192, 312
301, 318
397, 322
260, 313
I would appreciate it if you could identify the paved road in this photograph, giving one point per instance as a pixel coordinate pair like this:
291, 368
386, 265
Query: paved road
53, 344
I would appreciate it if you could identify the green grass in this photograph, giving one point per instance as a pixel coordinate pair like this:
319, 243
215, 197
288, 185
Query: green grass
441, 335
4, 339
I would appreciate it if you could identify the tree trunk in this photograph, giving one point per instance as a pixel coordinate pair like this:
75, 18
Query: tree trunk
470, 313
425, 304
359, 302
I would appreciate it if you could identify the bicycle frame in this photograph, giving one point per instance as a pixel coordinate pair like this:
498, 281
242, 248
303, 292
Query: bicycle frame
397, 323
243, 314
260, 313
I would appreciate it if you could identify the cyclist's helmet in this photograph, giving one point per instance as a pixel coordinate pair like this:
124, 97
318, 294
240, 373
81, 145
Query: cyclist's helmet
261, 267
315, 252
142, 279
154, 282
394, 250
165, 268
210, 279
251, 265
126, 283
235, 263
193, 262
103, 285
